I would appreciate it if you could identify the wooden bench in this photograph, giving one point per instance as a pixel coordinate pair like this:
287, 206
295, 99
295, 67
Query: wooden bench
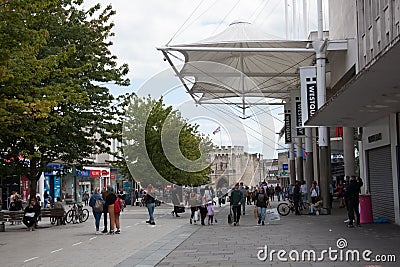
2, 222
57, 216
10, 216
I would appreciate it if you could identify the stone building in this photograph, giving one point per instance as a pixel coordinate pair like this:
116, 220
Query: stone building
231, 164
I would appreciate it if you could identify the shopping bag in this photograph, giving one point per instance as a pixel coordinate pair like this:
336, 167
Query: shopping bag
272, 215
255, 212
196, 215
230, 218
180, 209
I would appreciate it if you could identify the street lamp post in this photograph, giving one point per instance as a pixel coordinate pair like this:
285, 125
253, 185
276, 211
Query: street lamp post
75, 183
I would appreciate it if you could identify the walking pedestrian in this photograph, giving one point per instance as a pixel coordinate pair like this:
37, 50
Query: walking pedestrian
243, 201
194, 206
97, 210
203, 206
176, 201
314, 191
85, 197
150, 202
104, 195
248, 196
235, 199
340, 194
110, 202
272, 193
118, 208
278, 191
297, 197
261, 203
284, 193
210, 213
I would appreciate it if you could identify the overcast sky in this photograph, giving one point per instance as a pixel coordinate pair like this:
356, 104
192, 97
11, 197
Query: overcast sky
141, 26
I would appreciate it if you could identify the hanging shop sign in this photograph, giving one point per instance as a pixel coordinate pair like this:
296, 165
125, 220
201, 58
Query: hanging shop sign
297, 123
308, 80
288, 124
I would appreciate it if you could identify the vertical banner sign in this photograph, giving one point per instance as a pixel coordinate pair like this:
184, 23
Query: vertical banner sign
57, 186
308, 79
297, 130
288, 124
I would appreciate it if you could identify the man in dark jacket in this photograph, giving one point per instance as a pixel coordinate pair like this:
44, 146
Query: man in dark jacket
175, 201
31, 213
104, 195
296, 197
236, 198
352, 194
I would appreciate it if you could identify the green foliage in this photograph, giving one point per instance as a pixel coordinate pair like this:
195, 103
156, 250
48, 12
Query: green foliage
53, 57
159, 146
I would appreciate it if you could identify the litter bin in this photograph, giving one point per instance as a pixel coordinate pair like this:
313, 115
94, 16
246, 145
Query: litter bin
365, 209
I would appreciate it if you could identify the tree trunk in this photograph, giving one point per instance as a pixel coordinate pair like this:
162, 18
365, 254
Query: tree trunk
33, 186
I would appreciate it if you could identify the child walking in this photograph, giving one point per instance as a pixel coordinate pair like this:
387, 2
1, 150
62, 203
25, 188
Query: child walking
210, 213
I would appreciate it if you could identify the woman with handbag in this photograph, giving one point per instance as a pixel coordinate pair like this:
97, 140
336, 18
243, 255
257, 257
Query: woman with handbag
193, 207
261, 202
150, 203
96, 202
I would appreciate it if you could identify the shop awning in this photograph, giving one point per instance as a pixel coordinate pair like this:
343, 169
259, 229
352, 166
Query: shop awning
372, 94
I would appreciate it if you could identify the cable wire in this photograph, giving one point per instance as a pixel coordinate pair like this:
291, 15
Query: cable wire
175, 34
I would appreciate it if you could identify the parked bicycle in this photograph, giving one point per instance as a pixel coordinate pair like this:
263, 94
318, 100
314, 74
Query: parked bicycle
77, 214
285, 208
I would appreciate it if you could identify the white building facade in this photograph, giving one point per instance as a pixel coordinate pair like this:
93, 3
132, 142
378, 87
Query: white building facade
365, 85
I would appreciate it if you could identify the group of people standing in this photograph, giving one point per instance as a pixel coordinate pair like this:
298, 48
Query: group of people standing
201, 206
111, 204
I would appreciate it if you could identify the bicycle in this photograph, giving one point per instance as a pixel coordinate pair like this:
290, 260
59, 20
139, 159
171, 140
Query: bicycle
77, 214
285, 208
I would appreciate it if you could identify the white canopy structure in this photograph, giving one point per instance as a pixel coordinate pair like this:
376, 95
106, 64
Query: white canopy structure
241, 65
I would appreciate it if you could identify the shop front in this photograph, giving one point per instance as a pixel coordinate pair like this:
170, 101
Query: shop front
52, 180
382, 178
92, 177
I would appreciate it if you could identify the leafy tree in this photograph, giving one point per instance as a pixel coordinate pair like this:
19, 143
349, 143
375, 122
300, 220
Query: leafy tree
160, 147
54, 57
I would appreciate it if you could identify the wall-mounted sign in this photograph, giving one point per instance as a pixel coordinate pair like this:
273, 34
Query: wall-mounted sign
95, 173
374, 138
83, 173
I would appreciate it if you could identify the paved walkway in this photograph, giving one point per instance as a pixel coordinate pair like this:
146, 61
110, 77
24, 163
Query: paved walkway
226, 245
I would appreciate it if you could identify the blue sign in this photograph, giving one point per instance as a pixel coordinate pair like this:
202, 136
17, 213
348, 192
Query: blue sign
54, 167
285, 167
57, 186
128, 192
83, 173
47, 184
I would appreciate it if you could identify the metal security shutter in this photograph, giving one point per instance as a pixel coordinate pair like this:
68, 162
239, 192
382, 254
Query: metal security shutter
381, 182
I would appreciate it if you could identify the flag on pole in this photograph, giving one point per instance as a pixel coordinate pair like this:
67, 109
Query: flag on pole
217, 130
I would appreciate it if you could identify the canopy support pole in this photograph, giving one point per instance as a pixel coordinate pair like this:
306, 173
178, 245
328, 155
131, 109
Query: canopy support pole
179, 76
